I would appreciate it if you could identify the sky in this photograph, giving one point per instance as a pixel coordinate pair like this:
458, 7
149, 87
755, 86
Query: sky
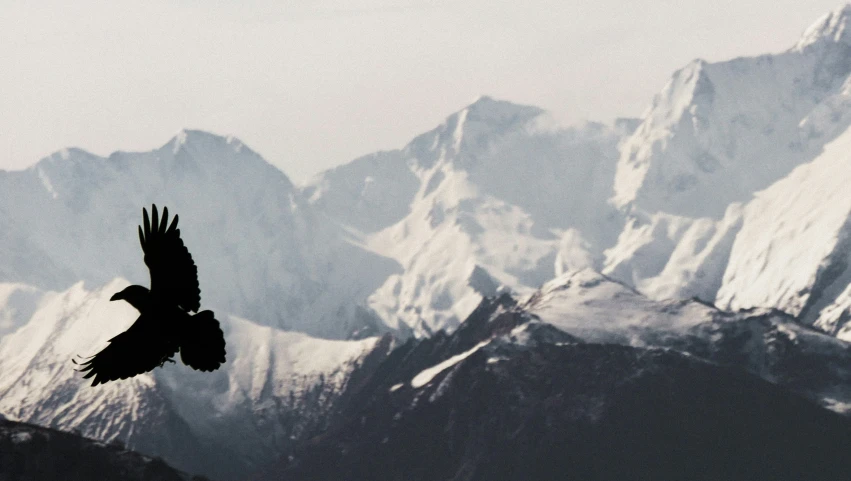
314, 84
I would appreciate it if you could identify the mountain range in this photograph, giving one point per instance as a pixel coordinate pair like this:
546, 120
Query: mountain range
706, 238
508, 397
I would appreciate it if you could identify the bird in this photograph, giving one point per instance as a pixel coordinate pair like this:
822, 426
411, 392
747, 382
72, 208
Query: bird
166, 323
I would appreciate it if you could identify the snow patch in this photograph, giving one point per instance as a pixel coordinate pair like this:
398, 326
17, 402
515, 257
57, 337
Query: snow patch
45, 181
836, 406
21, 437
427, 375
179, 141
598, 309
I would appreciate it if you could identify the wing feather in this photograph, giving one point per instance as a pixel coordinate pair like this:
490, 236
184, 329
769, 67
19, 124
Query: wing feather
173, 225
154, 221
174, 276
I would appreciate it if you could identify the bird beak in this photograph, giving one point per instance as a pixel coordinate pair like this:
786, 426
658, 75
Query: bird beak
116, 297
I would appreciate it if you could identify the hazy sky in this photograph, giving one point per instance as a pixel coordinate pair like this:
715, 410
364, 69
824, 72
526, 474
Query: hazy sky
313, 84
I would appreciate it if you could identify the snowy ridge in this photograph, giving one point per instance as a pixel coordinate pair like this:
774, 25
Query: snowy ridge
766, 226
498, 197
831, 28
792, 250
175, 412
265, 254
718, 132
766, 342
439, 245
517, 200
673, 257
455, 211
731, 190
39, 383
596, 308
486, 401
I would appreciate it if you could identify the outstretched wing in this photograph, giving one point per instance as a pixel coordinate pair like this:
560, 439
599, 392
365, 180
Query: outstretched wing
135, 351
174, 276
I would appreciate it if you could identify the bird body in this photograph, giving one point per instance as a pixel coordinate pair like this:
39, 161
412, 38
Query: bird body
166, 323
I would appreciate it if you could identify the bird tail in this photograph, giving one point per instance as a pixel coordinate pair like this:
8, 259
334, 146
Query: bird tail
203, 346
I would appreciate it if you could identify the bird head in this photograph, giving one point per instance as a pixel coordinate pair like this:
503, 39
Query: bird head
136, 296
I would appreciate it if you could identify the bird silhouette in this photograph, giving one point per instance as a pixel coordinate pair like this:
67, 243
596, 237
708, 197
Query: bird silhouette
165, 324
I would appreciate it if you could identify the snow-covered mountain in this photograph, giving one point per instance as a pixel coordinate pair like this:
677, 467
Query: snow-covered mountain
265, 249
718, 132
497, 198
766, 342
509, 397
262, 252
730, 191
731, 158
275, 387
735, 183
793, 248
497, 195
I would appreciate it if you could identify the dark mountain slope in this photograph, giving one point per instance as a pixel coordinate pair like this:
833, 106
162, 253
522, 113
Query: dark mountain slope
599, 412
527, 401
33, 453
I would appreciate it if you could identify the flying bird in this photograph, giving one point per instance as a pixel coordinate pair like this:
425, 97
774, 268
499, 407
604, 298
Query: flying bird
166, 323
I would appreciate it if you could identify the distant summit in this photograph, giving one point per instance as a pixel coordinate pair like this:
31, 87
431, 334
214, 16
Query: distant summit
200, 140
470, 129
833, 27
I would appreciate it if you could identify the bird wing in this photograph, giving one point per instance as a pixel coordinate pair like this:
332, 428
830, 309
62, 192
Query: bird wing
135, 351
174, 276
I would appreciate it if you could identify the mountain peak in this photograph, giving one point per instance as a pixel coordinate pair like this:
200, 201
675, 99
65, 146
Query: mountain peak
487, 109
70, 154
471, 128
201, 138
830, 28
484, 99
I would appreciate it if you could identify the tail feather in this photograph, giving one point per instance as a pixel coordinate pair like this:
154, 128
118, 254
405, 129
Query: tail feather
203, 346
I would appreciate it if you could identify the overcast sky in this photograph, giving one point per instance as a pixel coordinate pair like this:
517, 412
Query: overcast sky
313, 84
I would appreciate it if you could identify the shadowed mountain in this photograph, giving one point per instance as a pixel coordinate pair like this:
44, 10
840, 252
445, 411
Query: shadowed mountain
530, 402
31, 453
